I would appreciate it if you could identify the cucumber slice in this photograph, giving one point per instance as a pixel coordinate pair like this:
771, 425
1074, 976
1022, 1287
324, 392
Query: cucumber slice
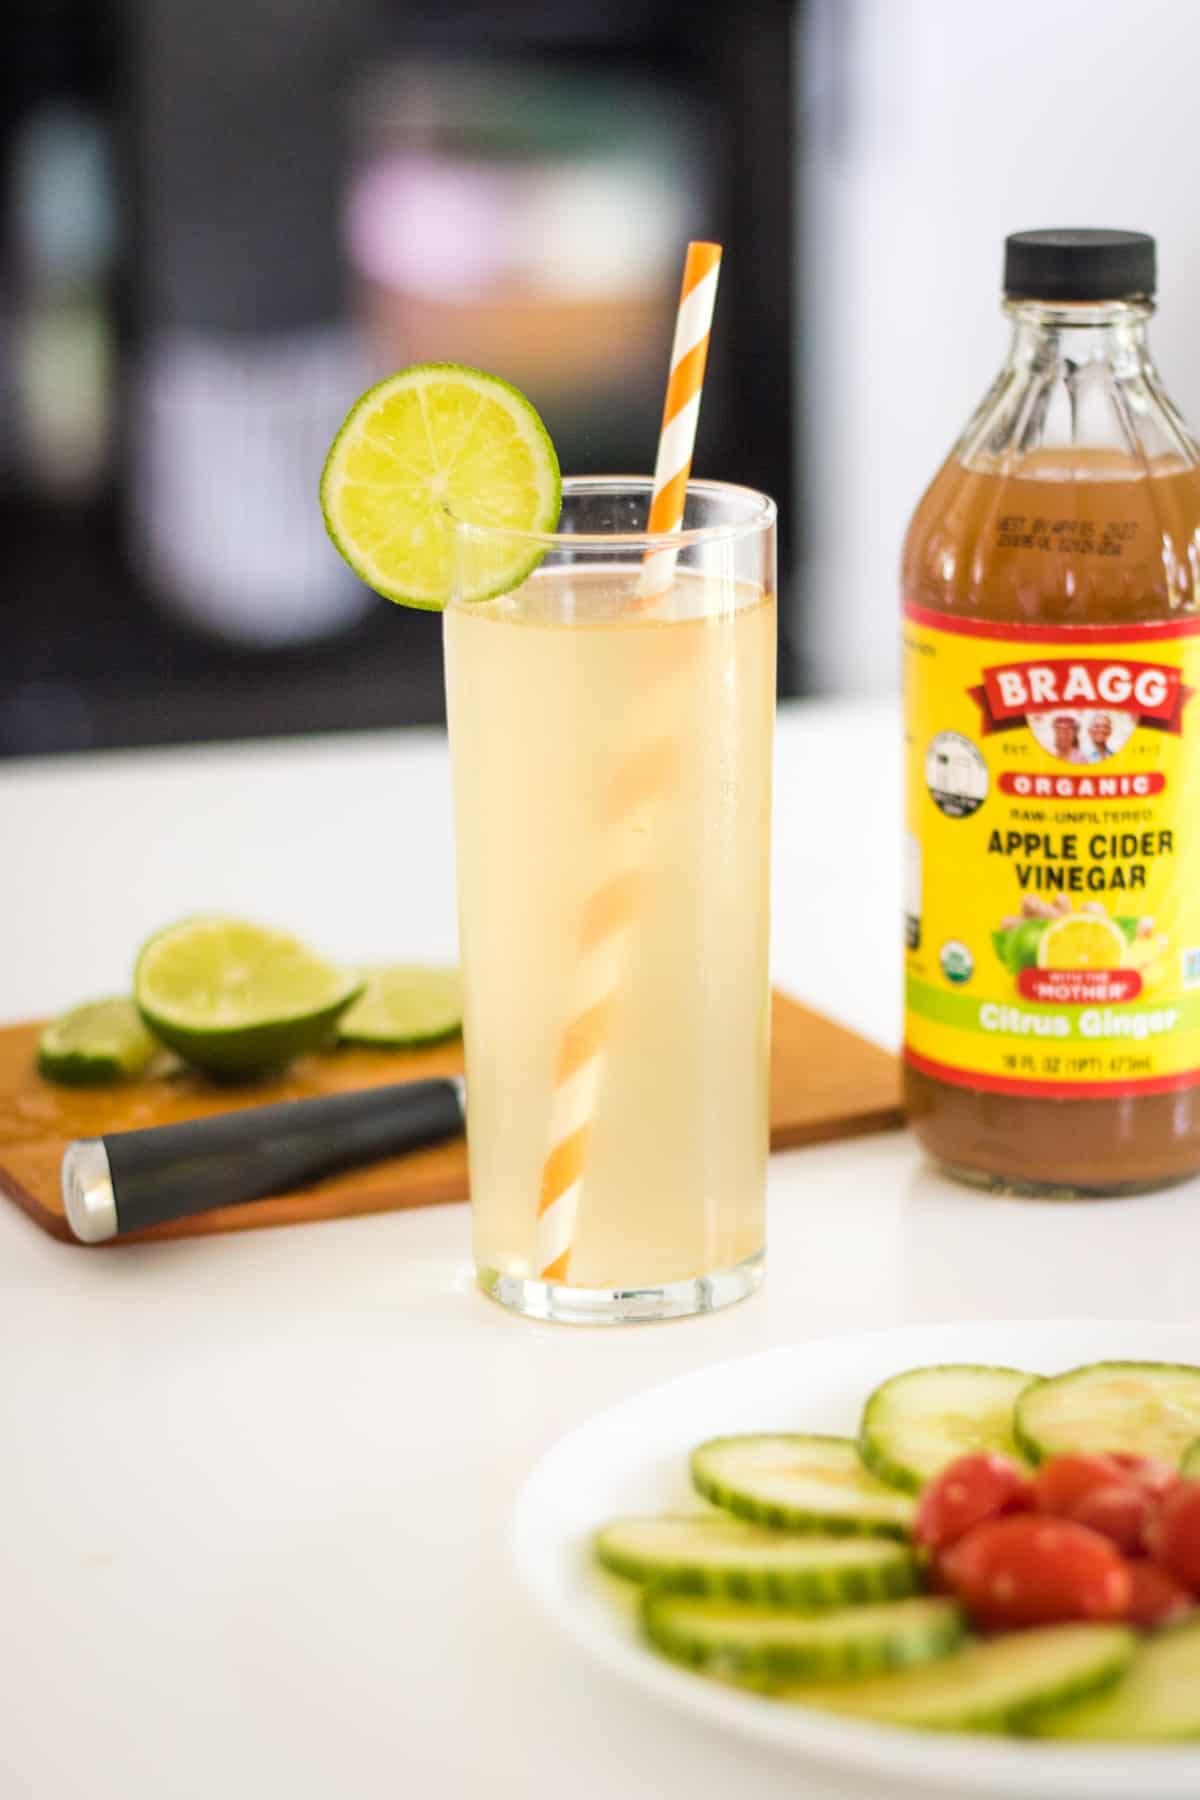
727, 1559
766, 1644
1151, 1409
799, 1482
1190, 1461
1158, 1700
993, 1684
916, 1423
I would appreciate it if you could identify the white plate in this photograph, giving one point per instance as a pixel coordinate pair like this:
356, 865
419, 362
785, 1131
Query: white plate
632, 1459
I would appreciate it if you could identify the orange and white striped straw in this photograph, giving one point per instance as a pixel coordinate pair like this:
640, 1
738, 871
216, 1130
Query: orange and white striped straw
612, 905
681, 409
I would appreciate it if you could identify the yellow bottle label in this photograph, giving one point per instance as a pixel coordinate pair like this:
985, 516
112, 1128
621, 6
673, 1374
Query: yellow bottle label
1052, 881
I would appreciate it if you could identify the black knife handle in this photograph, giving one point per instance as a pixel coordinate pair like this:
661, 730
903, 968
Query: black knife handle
131, 1179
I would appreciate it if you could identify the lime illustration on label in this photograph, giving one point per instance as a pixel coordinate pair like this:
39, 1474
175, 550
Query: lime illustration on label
1053, 941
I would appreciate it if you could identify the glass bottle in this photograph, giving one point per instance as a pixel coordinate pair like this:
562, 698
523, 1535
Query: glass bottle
1052, 639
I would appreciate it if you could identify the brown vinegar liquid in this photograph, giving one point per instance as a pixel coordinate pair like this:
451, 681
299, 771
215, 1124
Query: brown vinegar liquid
1071, 537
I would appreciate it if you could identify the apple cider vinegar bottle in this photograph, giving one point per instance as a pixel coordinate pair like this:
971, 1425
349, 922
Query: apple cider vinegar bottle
1052, 662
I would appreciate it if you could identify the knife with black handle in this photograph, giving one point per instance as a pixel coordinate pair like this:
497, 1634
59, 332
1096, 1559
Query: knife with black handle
129, 1180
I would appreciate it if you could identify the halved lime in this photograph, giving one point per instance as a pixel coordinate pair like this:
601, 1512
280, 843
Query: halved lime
432, 441
105, 1040
235, 998
403, 1005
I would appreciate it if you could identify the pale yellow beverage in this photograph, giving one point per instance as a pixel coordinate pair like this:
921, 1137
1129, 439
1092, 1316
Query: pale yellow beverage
552, 690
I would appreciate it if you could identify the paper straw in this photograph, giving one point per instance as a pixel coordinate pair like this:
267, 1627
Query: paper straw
681, 409
614, 901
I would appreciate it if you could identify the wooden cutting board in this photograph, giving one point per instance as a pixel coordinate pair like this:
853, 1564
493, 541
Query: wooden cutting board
826, 1082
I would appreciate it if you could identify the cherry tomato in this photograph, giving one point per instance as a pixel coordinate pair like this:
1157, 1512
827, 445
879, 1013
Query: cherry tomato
1158, 1478
1121, 1513
1175, 1535
969, 1490
1028, 1570
1061, 1483
1157, 1598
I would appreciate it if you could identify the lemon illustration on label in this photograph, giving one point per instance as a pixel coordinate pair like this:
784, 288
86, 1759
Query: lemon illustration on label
1081, 941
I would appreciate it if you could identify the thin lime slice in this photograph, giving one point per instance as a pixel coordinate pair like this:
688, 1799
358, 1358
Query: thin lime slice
106, 1040
432, 441
404, 1005
237, 999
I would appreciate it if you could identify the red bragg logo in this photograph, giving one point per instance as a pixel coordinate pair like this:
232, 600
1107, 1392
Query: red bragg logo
1153, 691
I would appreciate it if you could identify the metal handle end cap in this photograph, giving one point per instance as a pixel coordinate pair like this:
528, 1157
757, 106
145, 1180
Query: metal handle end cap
87, 1191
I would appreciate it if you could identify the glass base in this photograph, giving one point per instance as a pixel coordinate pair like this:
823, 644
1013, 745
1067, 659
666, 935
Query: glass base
565, 1305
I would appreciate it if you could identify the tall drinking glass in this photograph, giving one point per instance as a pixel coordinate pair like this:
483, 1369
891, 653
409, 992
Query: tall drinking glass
611, 748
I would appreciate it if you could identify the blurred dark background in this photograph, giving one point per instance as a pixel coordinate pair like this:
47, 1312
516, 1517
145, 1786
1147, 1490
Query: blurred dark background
220, 221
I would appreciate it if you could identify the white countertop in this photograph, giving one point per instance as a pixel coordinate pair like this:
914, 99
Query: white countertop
255, 1489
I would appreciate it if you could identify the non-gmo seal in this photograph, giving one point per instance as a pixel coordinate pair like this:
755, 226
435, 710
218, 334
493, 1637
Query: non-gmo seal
955, 774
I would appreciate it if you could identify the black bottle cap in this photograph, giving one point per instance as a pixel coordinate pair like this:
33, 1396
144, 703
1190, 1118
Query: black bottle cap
1078, 265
